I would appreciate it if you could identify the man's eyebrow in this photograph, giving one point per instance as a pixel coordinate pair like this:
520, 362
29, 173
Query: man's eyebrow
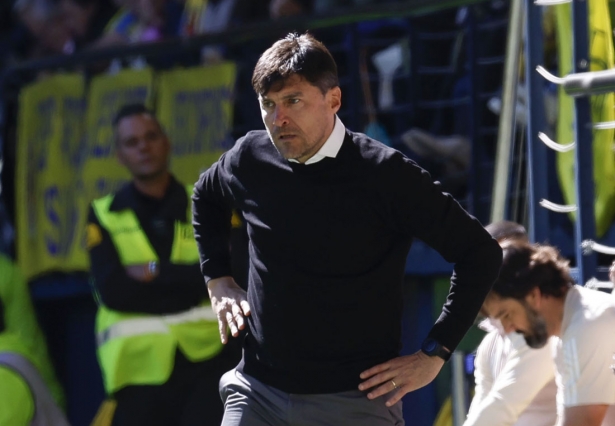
292, 95
287, 96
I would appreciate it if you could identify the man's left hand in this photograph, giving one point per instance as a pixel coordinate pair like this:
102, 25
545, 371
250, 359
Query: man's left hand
404, 374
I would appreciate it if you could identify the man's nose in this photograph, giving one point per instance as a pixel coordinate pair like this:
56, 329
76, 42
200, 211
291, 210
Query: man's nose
143, 144
280, 117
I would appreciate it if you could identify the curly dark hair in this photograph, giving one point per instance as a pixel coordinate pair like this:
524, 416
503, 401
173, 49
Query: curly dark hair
526, 266
302, 55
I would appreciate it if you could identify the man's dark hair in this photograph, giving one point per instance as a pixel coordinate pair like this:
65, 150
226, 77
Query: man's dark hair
505, 229
302, 55
527, 266
129, 110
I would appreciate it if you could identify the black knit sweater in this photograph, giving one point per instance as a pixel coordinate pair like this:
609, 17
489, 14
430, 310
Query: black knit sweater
328, 247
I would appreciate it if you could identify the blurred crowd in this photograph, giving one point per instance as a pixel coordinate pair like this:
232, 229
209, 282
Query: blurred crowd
35, 28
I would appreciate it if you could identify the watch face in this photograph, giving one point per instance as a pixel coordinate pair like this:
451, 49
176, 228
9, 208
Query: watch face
432, 348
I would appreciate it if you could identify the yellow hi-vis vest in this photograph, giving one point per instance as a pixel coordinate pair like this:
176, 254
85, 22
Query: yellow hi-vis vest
139, 349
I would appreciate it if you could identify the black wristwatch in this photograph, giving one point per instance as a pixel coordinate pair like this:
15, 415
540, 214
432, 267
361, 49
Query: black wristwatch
432, 348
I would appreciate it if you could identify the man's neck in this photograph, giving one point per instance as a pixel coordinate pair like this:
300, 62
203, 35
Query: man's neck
154, 187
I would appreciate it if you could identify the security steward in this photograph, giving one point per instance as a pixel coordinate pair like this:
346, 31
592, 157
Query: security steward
158, 343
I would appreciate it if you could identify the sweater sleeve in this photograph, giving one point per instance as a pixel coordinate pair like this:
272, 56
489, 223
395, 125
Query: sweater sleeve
212, 219
420, 209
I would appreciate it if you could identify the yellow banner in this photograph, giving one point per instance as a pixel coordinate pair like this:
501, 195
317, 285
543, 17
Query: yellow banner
195, 108
602, 109
49, 150
66, 156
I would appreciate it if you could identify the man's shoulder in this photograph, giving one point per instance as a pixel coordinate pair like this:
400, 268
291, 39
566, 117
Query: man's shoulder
593, 311
121, 199
252, 139
374, 152
252, 145
596, 305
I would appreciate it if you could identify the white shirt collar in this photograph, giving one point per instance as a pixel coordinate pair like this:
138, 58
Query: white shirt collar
331, 146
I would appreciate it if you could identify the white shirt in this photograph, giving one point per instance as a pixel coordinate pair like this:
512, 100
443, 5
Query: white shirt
331, 146
585, 353
514, 383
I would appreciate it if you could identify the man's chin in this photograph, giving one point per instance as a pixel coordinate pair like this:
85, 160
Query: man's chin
535, 342
289, 154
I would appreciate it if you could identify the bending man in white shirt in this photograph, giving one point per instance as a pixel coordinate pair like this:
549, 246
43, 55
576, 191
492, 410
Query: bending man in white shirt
515, 385
535, 296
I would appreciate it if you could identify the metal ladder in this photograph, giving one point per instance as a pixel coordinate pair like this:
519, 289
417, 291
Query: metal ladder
580, 84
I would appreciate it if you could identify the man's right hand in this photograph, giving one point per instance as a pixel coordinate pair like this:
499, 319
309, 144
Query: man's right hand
230, 303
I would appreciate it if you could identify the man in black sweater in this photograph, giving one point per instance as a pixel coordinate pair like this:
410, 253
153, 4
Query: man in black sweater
331, 216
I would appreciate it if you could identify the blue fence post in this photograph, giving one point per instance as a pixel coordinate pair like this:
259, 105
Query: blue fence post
537, 151
585, 227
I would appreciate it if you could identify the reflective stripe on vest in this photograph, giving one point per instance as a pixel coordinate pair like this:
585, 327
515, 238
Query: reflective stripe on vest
46, 410
133, 246
158, 324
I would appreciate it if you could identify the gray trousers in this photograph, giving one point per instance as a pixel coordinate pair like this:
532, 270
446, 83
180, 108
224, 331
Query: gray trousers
249, 402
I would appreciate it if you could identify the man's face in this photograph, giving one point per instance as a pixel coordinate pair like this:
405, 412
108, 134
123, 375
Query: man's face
142, 146
298, 117
519, 316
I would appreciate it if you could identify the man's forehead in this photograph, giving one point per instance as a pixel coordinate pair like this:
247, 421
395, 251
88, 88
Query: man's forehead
282, 87
132, 122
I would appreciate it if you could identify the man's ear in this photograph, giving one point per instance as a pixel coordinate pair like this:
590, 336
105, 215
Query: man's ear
335, 98
534, 298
